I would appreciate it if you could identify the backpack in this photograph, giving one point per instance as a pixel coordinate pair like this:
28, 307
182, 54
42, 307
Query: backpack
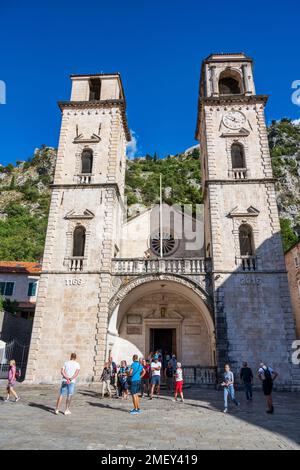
268, 375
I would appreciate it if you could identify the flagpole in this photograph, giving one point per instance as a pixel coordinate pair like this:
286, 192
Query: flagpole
161, 217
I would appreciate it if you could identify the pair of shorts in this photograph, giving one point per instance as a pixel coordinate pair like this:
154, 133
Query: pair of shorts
267, 388
135, 387
178, 386
155, 380
124, 386
67, 389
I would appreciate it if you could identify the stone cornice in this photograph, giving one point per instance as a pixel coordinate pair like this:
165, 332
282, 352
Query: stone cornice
244, 181
233, 99
98, 105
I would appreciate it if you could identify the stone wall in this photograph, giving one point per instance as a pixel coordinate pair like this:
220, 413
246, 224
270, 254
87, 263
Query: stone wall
292, 259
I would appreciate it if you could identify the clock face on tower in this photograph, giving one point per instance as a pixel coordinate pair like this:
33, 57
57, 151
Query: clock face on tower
234, 120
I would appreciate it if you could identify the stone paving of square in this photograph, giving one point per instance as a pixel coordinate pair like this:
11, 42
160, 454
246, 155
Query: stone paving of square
105, 424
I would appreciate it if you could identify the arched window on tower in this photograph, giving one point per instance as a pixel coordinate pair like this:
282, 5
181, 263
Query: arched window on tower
247, 249
237, 156
230, 83
79, 241
87, 161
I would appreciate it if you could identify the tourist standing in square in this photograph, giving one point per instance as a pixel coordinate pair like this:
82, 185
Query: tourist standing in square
106, 380
267, 376
179, 382
155, 376
137, 372
69, 372
169, 376
145, 383
123, 380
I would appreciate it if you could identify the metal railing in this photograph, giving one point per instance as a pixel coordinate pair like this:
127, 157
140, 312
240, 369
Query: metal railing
166, 265
18, 352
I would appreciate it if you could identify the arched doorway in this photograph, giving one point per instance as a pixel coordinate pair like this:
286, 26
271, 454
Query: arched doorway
167, 313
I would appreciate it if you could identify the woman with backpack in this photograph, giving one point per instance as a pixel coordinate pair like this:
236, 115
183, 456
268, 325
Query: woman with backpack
123, 380
13, 374
267, 376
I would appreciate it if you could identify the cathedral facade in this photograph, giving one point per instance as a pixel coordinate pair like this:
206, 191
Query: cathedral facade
114, 287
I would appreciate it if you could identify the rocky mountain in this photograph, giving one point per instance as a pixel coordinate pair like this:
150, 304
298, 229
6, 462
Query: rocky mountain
25, 190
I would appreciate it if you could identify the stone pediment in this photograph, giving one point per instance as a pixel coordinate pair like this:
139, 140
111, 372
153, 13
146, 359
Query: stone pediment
236, 133
168, 315
250, 212
80, 139
86, 214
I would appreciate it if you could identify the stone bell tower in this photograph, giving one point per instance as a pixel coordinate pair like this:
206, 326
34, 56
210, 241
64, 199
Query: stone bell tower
83, 230
253, 316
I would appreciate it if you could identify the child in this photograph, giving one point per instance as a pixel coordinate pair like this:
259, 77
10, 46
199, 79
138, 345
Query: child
12, 378
178, 382
228, 385
122, 376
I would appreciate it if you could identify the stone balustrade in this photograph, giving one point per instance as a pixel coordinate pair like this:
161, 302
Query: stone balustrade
239, 173
247, 263
76, 263
84, 179
165, 265
197, 375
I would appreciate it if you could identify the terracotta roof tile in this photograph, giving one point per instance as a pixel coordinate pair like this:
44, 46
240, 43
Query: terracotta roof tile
20, 267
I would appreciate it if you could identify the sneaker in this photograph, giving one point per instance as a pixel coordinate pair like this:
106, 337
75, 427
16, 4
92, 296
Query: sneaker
67, 413
17, 399
225, 411
175, 400
56, 412
7, 400
133, 412
138, 411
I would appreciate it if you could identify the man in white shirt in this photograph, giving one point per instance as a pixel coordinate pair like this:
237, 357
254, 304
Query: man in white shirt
155, 376
69, 372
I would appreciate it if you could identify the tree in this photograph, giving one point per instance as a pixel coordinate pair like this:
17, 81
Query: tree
289, 237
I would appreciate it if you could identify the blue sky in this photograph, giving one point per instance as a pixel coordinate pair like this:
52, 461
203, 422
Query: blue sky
157, 46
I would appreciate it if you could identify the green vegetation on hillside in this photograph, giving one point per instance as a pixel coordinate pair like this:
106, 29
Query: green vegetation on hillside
24, 205
180, 177
25, 190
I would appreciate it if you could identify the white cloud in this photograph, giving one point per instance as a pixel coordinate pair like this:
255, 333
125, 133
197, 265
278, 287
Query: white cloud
296, 122
132, 146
